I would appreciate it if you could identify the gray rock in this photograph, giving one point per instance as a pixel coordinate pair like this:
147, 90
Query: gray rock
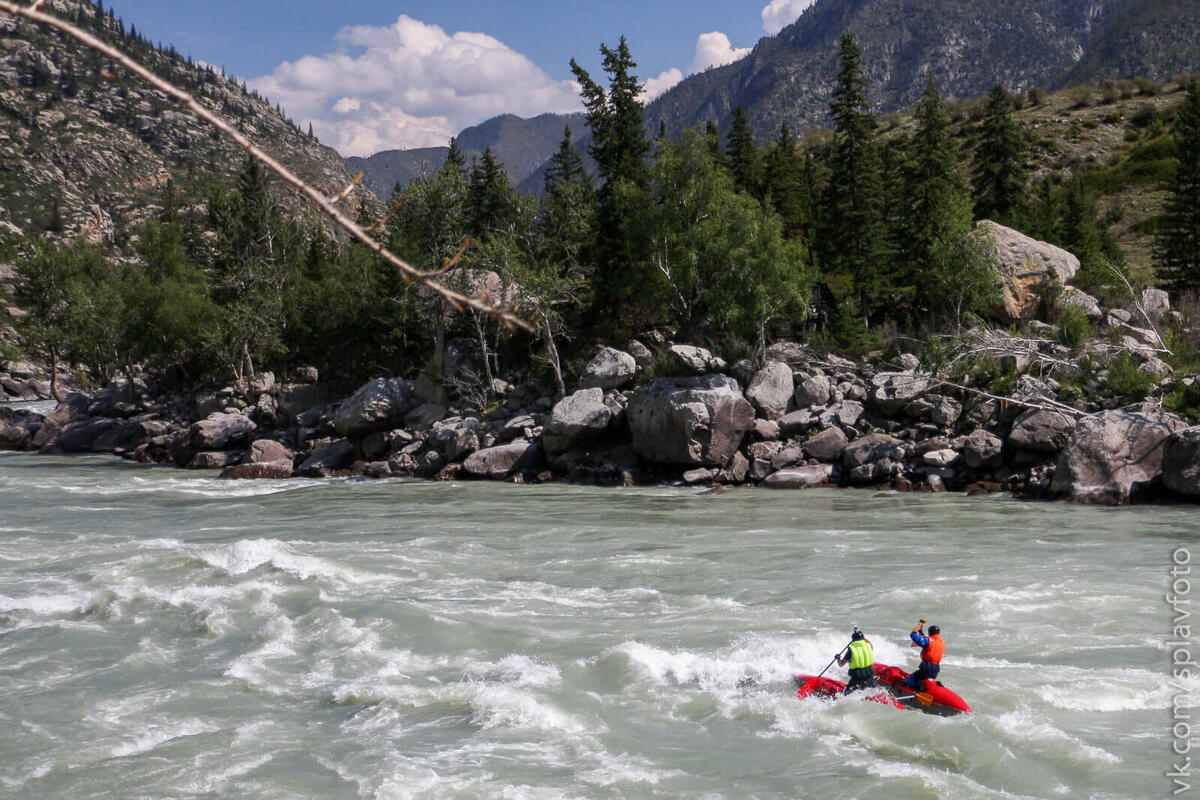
695, 476
269, 470
946, 412
813, 390
456, 437
797, 423
793, 354
827, 446
1181, 462
1042, 431
266, 451
609, 369
260, 384
696, 360
641, 354
982, 449
1024, 266
870, 449
738, 469
692, 421
1112, 455
846, 414
936, 484
1157, 304
940, 458
771, 390
505, 461
214, 459
798, 477
219, 430
1117, 317
379, 405
576, 420
296, 398
1074, 297
892, 391
329, 456
423, 417
307, 375
908, 362
766, 429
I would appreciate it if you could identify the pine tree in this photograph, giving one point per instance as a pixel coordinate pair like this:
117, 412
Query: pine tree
491, 201
455, 157
743, 157
851, 236
1000, 176
712, 135
310, 131
566, 166
935, 246
619, 148
782, 180
1177, 248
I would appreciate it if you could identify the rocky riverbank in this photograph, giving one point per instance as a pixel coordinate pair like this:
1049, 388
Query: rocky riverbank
797, 420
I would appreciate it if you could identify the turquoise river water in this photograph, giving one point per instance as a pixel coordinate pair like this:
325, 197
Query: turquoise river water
167, 635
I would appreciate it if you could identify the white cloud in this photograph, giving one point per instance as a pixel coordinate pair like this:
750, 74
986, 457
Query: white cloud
411, 85
778, 14
656, 86
714, 50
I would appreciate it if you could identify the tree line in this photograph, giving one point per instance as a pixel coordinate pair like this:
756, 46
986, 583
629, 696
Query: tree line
708, 236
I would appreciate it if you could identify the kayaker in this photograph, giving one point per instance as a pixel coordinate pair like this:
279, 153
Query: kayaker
861, 657
932, 650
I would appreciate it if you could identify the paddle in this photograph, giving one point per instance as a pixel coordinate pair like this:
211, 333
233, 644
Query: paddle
835, 658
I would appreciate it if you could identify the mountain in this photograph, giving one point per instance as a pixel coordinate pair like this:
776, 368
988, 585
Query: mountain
968, 45
522, 145
86, 149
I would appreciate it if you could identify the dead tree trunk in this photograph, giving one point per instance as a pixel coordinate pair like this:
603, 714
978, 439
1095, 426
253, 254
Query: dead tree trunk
54, 390
552, 356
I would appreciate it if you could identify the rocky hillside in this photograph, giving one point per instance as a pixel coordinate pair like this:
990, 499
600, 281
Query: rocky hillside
968, 44
522, 145
85, 149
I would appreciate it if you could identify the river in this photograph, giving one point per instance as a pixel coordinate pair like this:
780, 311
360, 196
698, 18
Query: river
164, 634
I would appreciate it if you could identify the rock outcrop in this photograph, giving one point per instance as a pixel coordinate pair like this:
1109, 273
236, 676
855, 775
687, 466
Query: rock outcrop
1025, 266
1112, 456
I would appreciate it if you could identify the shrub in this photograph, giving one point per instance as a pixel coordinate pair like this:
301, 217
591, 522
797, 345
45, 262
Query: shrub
1074, 327
1145, 116
1081, 96
1124, 378
1036, 96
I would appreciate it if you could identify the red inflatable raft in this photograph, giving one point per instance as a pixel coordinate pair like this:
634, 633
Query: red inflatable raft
932, 699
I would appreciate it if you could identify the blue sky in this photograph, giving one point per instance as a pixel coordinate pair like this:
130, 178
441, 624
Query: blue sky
410, 73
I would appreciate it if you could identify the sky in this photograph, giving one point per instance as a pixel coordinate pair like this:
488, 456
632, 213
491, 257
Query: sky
373, 75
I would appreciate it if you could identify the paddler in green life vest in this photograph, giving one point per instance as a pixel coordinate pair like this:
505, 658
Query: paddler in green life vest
861, 657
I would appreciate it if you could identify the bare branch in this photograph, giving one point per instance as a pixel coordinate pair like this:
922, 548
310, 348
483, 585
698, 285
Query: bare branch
327, 204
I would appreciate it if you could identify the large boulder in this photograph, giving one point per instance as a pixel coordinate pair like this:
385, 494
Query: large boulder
81, 436
1157, 304
576, 420
267, 470
1024, 266
17, 428
892, 391
692, 421
377, 406
1042, 431
267, 451
609, 369
771, 389
505, 461
294, 399
1181, 462
1112, 455
217, 431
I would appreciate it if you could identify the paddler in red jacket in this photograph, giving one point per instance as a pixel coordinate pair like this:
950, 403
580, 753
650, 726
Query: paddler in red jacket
932, 650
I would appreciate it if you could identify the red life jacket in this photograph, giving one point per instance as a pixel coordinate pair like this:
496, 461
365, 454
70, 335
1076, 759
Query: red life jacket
934, 651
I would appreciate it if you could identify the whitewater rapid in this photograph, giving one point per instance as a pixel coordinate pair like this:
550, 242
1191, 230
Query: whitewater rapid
165, 635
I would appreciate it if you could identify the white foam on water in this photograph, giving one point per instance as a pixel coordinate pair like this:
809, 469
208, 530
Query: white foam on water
940, 783
247, 555
511, 707
217, 777
1027, 728
155, 735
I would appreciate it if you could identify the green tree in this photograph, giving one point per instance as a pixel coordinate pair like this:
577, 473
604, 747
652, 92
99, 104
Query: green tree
783, 181
1000, 176
851, 238
491, 200
620, 148
726, 268
1177, 248
937, 211
742, 154
455, 157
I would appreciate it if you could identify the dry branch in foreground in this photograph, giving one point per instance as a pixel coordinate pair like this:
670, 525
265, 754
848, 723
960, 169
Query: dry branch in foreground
484, 304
